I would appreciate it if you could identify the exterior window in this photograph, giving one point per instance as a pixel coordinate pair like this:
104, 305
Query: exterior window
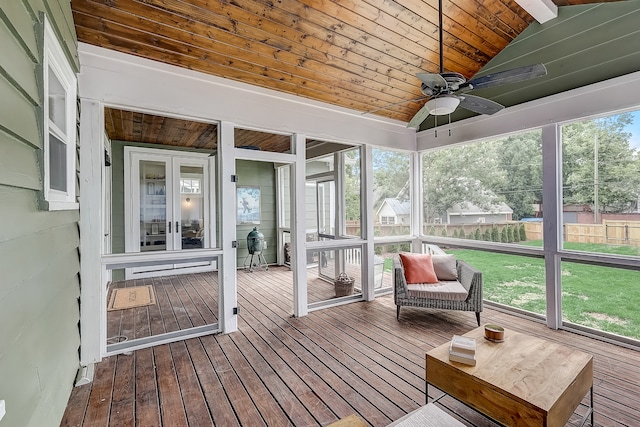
387, 220
60, 130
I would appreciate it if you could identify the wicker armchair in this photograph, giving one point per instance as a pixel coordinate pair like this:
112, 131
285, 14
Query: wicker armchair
468, 276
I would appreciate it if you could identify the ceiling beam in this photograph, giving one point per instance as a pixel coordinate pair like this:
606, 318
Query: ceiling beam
541, 10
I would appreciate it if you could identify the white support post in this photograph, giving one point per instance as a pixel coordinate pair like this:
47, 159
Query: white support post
552, 232
298, 230
228, 274
93, 308
366, 223
417, 201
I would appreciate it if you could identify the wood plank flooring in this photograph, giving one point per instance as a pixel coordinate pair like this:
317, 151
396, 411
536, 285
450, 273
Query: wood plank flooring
277, 370
182, 302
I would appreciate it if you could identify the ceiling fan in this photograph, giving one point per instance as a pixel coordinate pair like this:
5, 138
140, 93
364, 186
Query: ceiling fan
448, 90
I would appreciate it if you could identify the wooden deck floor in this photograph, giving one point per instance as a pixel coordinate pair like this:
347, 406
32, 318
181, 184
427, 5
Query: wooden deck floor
278, 370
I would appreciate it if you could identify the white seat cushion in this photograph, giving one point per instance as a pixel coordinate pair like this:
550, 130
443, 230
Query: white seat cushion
448, 291
427, 416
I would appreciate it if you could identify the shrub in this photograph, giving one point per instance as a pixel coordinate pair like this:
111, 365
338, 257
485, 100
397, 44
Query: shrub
509, 234
487, 235
377, 250
455, 233
405, 247
432, 231
495, 236
478, 235
461, 234
504, 235
392, 249
523, 233
444, 232
516, 233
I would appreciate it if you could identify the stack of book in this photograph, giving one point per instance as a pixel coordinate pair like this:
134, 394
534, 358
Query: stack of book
463, 350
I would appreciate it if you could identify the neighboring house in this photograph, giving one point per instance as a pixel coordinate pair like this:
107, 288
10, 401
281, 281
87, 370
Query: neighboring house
39, 238
393, 211
468, 213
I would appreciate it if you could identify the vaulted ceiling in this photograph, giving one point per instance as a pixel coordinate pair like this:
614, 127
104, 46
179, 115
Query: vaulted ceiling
359, 54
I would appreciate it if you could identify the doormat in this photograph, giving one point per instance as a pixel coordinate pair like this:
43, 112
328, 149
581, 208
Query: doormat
138, 296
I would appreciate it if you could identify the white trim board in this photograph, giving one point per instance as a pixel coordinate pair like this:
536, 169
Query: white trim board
121, 79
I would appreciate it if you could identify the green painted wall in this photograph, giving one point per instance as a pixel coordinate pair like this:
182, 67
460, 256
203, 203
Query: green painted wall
263, 176
39, 260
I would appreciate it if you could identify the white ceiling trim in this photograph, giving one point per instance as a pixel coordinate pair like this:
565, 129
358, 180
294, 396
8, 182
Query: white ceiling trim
541, 10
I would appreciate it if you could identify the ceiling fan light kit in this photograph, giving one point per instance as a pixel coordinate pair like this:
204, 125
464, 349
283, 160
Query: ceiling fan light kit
442, 106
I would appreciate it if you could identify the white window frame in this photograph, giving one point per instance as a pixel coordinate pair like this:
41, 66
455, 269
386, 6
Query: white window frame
54, 60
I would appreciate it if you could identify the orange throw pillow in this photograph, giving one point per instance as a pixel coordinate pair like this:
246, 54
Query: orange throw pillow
418, 268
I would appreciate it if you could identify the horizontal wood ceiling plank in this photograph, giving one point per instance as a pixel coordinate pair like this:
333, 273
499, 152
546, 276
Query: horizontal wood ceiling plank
326, 75
150, 46
171, 57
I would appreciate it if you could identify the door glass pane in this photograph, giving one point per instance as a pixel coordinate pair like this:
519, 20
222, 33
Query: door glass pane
326, 209
352, 193
153, 206
192, 207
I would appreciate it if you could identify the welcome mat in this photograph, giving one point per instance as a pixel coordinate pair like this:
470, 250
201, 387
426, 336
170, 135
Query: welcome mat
137, 296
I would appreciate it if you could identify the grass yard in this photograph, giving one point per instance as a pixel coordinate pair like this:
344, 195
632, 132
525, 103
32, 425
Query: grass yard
604, 298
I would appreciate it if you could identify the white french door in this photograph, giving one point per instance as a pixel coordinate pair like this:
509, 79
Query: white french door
167, 206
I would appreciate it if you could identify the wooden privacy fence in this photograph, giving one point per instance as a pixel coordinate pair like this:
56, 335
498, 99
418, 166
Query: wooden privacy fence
610, 232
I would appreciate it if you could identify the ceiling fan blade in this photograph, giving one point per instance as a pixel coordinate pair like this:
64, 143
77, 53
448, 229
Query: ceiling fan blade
420, 117
513, 75
432, 80
480, 105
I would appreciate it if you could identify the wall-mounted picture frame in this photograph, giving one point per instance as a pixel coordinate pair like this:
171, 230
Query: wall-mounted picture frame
248, 205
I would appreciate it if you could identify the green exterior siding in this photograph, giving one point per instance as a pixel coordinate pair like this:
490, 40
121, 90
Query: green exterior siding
39, 259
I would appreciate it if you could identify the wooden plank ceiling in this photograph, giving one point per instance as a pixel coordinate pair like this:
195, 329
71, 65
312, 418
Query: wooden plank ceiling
359, 54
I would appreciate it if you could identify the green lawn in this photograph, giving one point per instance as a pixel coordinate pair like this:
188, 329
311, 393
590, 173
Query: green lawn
600, 297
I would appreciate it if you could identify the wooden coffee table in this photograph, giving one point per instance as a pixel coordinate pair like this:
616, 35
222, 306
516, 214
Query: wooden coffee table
523, 381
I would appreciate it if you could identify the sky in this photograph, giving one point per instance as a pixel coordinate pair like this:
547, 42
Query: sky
634, 129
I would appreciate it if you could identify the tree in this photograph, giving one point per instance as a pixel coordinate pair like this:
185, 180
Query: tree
352, 188
478, 234
520, 157
523, 233
504, 235
487, 235
391, 175
605, 143
495, 237
459, 175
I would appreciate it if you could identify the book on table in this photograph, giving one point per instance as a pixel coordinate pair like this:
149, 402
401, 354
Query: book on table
463, 345
462, 358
